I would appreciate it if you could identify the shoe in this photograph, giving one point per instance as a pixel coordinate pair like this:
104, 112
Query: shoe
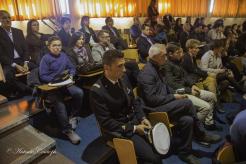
210, 138
191, 159
73, 137
213, 127
73, 122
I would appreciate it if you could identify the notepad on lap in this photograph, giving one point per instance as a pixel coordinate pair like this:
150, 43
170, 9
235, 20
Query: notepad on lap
64, 83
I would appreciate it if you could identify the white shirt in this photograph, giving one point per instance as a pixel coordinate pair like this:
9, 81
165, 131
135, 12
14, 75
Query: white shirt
211, 63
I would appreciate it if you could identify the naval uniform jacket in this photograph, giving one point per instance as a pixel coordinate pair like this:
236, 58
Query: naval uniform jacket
114, 106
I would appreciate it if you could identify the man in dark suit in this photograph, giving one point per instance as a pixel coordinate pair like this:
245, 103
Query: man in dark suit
144, 43
64, 33
115, 37
14, 57
157, 95
116, 109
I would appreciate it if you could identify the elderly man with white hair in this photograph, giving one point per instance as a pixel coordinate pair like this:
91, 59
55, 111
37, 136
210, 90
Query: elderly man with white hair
158, 95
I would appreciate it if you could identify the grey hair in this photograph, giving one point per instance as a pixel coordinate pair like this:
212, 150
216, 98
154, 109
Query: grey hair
156, 49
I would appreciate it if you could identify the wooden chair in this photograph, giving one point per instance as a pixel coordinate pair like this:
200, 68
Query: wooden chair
126, 37
124, 148
125, 151
131, 54
156, 117
2, 77
226, 155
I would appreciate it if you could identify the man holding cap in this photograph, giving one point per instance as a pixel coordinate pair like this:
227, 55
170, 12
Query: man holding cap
157, 95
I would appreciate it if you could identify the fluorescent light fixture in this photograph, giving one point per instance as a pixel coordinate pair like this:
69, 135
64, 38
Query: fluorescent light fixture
211, 6
64, 6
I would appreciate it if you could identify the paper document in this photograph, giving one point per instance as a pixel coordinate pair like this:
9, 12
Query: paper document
66, 82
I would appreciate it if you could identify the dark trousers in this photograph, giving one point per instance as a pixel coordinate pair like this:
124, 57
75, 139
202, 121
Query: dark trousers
183, 114
60, 108
144, 151
13, 84
238, 138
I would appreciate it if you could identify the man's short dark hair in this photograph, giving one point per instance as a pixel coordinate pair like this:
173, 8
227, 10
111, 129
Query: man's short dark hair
110, 56
144, 25
64, 20
101, 32
53, 38
108, 19
3, 11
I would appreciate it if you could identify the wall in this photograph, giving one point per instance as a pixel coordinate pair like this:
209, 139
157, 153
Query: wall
121, 23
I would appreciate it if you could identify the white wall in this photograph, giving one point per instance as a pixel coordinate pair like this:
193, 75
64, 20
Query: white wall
121, 23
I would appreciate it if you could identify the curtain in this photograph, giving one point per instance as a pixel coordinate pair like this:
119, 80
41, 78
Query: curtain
31, 9
225, 8
10, 6
126, 8
116, 8
183, 7
242, 8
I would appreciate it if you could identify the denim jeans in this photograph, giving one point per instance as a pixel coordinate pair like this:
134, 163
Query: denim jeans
60, 108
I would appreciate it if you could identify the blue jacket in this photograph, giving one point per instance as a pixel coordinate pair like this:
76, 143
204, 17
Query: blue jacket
52, 66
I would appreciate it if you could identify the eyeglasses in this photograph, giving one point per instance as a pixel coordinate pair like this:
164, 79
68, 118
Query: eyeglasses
56, 45
35, 24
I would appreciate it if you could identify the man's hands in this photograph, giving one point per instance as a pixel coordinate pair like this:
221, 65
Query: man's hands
21, 69
26, 66
145, 124
195, 91
179, 96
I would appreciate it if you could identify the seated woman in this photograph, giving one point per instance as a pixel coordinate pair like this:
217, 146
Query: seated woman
52, 66
80, 52
89, 34
35, 41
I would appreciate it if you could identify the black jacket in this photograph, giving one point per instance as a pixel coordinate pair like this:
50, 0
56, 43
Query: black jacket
143, 47
65, 38
194, 72
116, 40
7, 46
115, 106
113, 38
177, 77
88, 35
153, 87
